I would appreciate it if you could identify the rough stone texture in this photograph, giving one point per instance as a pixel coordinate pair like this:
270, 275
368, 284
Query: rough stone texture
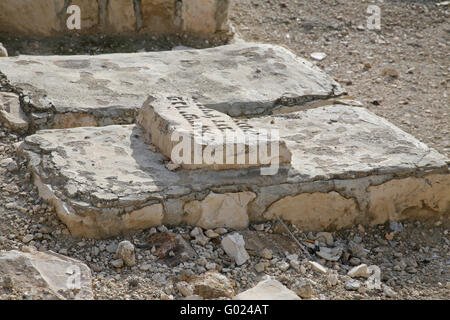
171, 122
48, 17
360, 271
342, 158
159, 16
213, 285
125, 251
227, 210
11, 113
268, 290
89, 13
199, 16
238, 79
46, 275
31, 17
120, 16
234, 246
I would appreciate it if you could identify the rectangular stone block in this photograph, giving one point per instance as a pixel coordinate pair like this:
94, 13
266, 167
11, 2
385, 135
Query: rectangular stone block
159, 16
199, 16
195, 137
31, 17
120, 17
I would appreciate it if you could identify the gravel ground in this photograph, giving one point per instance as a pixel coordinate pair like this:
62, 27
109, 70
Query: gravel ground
413, 41
414, 262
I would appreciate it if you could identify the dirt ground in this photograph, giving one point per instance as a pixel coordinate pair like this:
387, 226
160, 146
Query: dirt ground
413, 40
400, 72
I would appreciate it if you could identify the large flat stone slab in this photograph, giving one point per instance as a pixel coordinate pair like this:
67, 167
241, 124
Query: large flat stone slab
197, 137
238, 79
348, 166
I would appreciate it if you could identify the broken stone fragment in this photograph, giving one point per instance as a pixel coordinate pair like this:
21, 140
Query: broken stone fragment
234, 246
46, 275
360, 271
318, 267
268, 290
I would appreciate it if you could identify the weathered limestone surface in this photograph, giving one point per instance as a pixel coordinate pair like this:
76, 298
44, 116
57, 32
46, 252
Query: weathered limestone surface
11, 113
198, 137
48, 17
348, 166
31, 17
220, 210
46, 275
238, 79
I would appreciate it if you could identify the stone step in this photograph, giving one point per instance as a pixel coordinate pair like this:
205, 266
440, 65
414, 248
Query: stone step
348, 166
238, 79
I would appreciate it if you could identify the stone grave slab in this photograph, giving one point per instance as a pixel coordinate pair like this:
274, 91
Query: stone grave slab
348, 166
238, 79
196, 137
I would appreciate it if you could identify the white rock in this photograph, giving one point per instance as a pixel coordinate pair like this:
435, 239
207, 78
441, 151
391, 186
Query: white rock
234, 246
125, 251
352, 285
318, 267
360, 271
268, 290
319, 56
46, 275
